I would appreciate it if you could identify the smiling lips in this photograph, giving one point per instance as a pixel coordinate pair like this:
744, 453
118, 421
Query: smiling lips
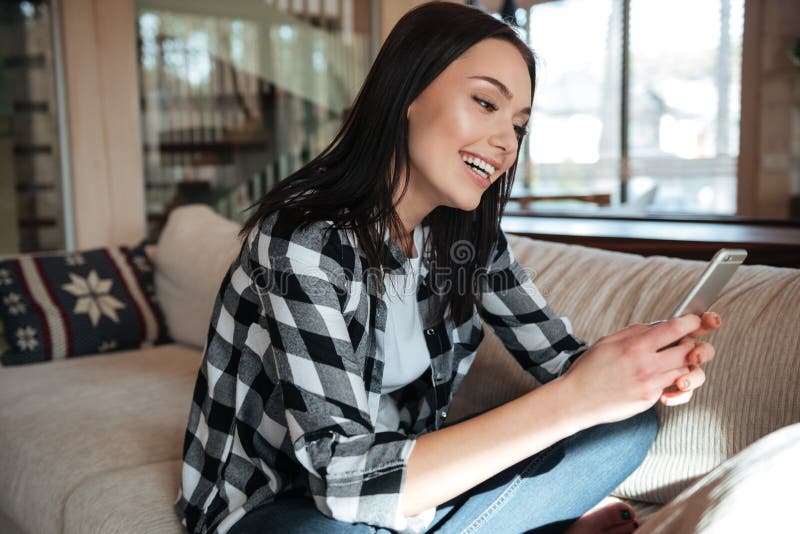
479, 168
486, 165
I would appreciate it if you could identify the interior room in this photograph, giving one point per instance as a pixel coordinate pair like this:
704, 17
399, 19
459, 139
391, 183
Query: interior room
137, 136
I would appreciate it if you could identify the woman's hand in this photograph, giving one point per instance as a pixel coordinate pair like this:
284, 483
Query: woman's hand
627, 372
683, 388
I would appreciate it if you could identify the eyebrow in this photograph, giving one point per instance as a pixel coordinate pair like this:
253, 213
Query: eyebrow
502, 88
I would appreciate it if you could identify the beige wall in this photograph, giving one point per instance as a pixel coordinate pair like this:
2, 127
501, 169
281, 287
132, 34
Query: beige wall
102, 105
391, 11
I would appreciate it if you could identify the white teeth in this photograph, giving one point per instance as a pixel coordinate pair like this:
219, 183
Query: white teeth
489, 170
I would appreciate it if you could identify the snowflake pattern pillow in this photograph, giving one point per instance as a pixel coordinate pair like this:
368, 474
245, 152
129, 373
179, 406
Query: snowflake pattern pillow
59, 305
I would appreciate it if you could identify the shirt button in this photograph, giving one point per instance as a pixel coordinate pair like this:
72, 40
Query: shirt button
429, 331
444, 414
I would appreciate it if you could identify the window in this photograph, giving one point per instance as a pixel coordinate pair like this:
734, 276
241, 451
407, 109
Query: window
237, 96
661, 136
32, 217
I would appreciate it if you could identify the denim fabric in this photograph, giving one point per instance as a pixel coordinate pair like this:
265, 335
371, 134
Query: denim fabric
542, 494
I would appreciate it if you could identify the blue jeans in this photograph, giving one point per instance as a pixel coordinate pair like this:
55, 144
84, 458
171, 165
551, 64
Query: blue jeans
542, 494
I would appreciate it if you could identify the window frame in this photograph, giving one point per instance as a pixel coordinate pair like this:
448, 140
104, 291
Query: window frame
749, 128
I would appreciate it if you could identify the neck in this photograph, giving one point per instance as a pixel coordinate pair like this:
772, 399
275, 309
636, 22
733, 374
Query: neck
413, 207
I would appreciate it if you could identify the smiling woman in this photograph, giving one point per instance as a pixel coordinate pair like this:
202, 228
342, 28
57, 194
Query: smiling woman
429, 112
470, 119
321, 400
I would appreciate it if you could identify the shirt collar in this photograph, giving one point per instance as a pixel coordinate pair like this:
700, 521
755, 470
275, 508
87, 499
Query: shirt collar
398, 259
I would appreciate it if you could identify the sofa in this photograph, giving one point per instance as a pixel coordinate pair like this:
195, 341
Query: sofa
93, 444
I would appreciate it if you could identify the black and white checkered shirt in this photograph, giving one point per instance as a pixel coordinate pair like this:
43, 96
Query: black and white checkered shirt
287, 394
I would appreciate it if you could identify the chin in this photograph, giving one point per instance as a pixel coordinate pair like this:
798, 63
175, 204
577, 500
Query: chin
465, 203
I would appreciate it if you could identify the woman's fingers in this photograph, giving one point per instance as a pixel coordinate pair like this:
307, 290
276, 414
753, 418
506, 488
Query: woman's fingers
670, 378
687, 376
673, 362
675, 399
702, 352
691, 381
709, 322
683, 388
669, 332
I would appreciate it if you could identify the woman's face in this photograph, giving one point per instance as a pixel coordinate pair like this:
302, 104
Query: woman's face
472, 111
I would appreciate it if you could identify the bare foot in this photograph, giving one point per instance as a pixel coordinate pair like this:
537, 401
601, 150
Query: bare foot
607, 520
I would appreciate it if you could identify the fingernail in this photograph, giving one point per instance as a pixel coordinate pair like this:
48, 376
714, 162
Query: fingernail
715, 320
685, 384
626, 514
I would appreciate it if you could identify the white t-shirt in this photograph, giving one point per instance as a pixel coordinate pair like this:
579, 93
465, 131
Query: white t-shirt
405, 352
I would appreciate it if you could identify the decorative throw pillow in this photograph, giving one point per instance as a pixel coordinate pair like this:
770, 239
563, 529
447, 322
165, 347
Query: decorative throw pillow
754, 491
188, 277
59, 305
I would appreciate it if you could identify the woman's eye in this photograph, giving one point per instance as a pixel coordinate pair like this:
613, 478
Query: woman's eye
521, 131
485, 103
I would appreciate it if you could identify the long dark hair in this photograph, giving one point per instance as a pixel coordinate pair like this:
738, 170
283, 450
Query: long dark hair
351, 182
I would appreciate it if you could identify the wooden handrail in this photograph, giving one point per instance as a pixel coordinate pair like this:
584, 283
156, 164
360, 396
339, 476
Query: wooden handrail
601, 199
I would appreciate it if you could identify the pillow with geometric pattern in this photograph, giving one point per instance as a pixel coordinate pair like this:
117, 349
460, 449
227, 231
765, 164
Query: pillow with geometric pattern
60, 305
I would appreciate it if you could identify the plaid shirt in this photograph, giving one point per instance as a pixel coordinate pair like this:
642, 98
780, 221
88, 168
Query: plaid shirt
288, 390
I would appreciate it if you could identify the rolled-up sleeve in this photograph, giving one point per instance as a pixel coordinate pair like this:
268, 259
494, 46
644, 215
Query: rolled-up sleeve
355, 474
539, 339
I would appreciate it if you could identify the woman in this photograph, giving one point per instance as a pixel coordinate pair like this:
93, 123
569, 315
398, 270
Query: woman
343, 330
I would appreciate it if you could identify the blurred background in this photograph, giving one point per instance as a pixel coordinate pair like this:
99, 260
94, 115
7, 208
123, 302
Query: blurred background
112, 112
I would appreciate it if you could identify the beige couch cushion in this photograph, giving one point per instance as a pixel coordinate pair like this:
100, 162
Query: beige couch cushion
193, 254
751, 387
8, 525
755, 491
138, 499
66, 422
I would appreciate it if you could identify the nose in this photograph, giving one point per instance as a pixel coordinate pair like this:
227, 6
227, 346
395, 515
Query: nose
504, 137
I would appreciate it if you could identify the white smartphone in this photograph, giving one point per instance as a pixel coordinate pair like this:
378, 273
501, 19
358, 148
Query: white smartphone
717, 273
